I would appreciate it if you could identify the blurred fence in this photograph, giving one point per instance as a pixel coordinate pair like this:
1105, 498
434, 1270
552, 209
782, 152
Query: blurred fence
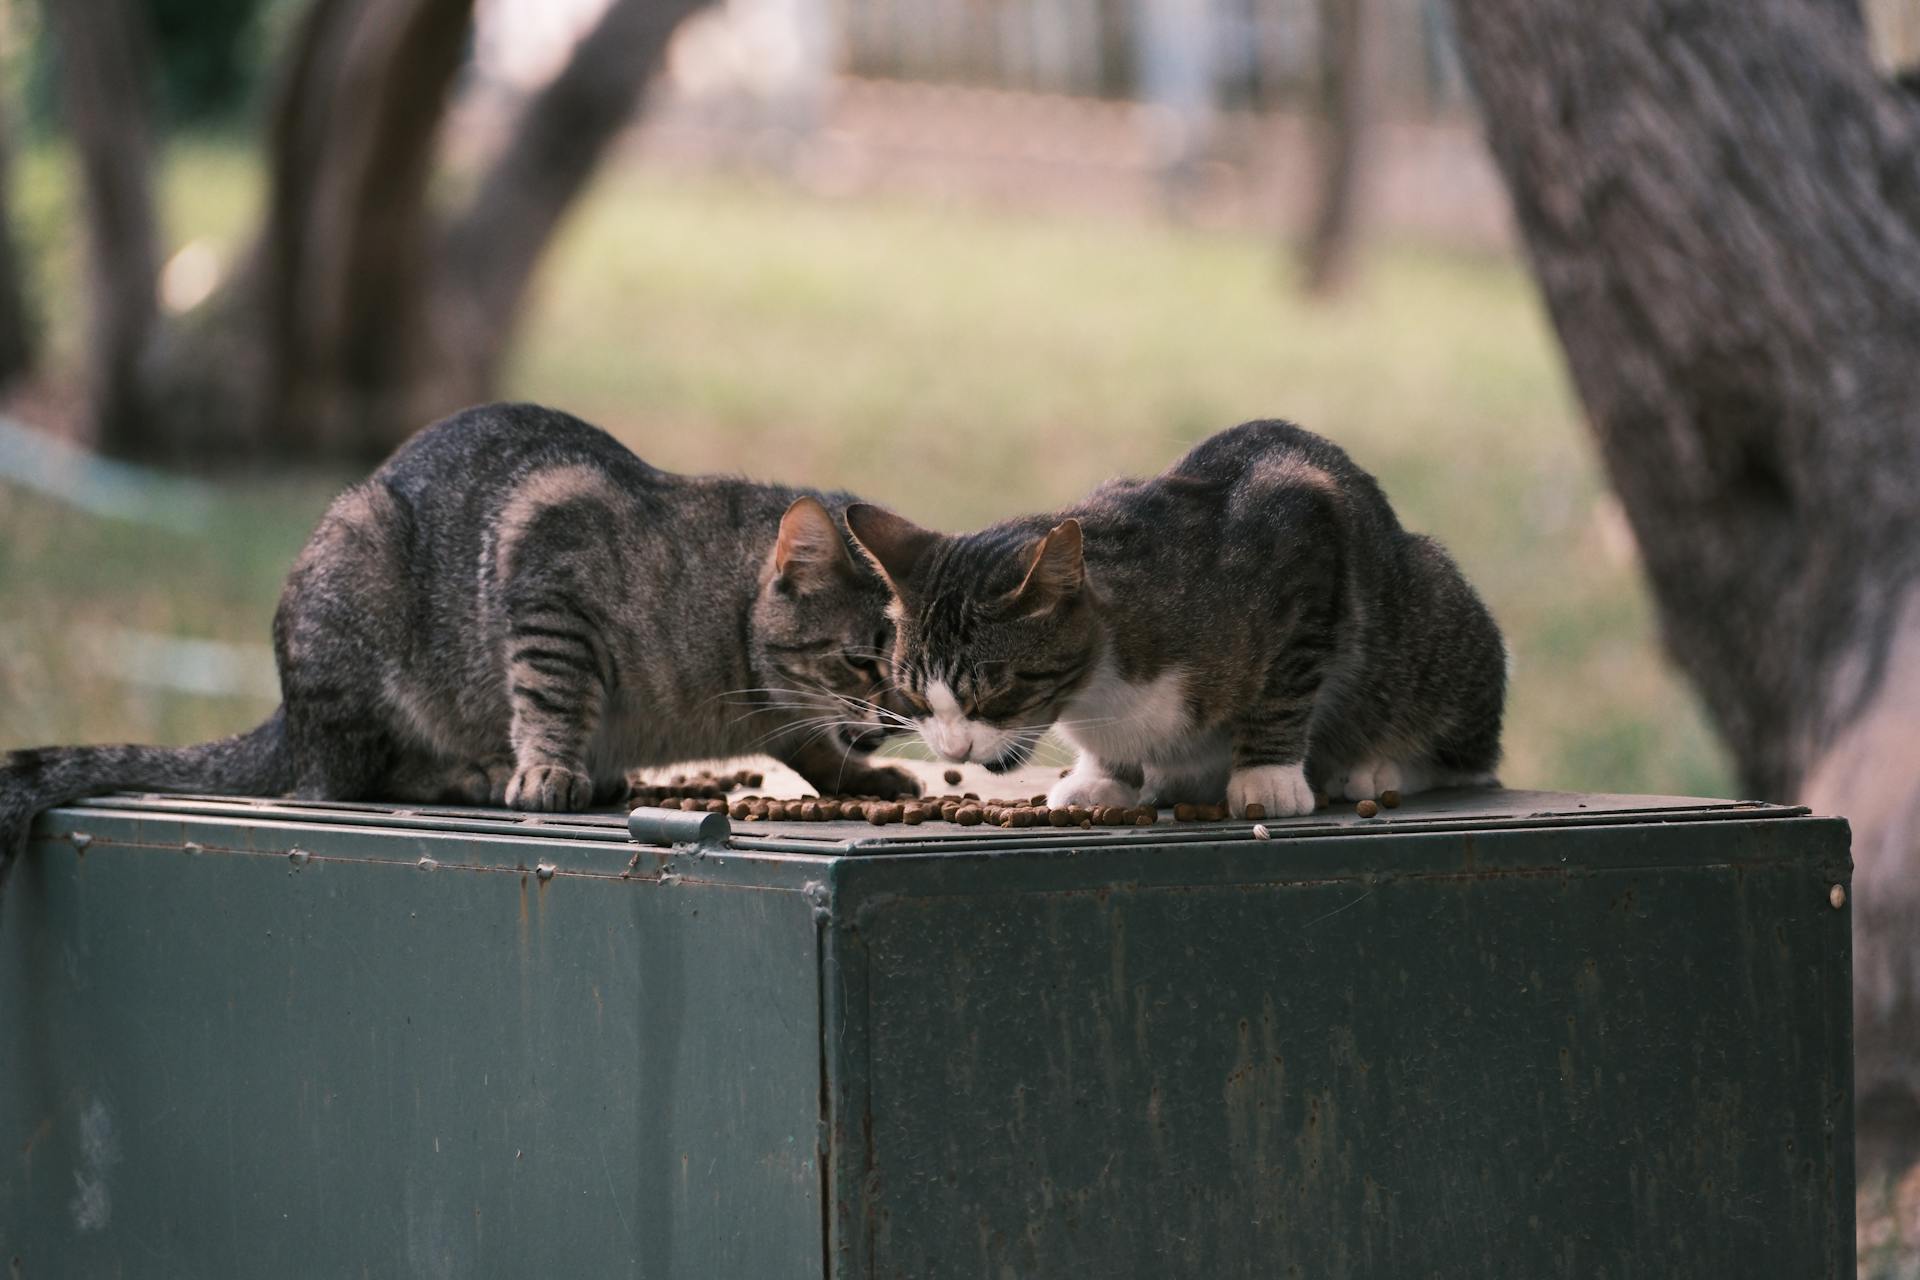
1260, 55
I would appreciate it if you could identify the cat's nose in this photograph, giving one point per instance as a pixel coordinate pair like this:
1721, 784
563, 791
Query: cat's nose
946, 743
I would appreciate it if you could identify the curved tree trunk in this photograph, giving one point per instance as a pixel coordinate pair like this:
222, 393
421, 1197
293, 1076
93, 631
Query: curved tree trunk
1721, 200
1342, 125
492, 247
342, 267
16, 325
359, 314
103, 59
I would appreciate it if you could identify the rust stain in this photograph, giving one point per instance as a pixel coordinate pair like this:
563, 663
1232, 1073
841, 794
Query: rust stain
45, 1129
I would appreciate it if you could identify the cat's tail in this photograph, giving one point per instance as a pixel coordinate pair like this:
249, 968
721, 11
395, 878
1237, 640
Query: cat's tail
255, 763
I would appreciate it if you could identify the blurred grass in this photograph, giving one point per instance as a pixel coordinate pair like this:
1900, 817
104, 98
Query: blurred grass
958, 366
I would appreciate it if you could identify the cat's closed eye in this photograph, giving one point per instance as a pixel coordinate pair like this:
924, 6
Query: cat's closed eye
866, 667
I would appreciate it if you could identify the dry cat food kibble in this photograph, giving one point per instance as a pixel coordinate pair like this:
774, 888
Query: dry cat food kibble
1391, 799
1256, 811
962, 809
705, 787
1366, 808
952, 776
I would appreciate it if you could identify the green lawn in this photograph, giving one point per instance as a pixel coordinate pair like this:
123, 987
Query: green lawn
959, 366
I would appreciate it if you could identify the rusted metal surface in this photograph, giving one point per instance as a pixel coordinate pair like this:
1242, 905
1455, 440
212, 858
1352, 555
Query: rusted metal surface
1500, 1034
306, 1049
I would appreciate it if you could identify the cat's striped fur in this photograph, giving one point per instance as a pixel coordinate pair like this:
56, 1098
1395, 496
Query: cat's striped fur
1249, 625
515, 609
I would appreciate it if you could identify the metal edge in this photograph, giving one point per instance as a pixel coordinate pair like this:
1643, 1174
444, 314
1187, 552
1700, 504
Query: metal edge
846, 1086
1486, 854
967, 841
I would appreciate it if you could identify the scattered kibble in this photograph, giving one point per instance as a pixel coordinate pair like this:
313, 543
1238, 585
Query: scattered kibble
1366, 808
1391, 799
709, 793
1256, 811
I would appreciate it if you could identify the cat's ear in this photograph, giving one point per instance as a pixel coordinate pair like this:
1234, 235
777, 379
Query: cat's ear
893, 543
809, 551
1056, 570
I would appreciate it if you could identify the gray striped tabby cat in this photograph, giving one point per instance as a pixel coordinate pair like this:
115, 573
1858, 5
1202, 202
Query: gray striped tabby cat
1249, 625
515, 609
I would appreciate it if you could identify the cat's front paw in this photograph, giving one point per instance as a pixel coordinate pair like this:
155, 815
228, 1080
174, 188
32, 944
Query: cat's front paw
1280, 790
1090, 790
885, 781
549, 788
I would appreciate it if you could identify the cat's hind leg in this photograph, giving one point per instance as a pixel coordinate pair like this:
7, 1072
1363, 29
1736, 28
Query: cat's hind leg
1373, 778
432, 780
1199, 779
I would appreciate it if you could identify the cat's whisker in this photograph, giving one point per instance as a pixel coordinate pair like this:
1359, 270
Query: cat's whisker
886, 713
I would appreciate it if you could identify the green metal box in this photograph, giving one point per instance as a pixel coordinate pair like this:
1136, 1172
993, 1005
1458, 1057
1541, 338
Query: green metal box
1487, 1034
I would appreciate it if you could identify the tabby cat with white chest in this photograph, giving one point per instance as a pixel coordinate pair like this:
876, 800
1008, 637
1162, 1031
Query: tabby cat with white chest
516, 610
1249, 625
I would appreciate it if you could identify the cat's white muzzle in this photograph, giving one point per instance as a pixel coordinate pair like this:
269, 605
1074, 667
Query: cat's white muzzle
953, 736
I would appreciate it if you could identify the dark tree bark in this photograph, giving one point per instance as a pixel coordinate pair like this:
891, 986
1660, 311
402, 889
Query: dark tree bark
342, 266
16, 324
1721, 200
1341, 128
103, 56
559, 140
360, 314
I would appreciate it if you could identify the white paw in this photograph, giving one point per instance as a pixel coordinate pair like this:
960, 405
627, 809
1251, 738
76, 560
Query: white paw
1366, 780
1089, 789
1279, 789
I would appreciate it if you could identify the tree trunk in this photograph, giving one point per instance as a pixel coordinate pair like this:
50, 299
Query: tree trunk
1721, 201
105, 92
1341, 128
491, 249
342, 273
16, 325
358, 316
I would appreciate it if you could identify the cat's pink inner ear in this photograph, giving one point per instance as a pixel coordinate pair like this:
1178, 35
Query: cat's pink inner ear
809, 549
893, 543
1056, 570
